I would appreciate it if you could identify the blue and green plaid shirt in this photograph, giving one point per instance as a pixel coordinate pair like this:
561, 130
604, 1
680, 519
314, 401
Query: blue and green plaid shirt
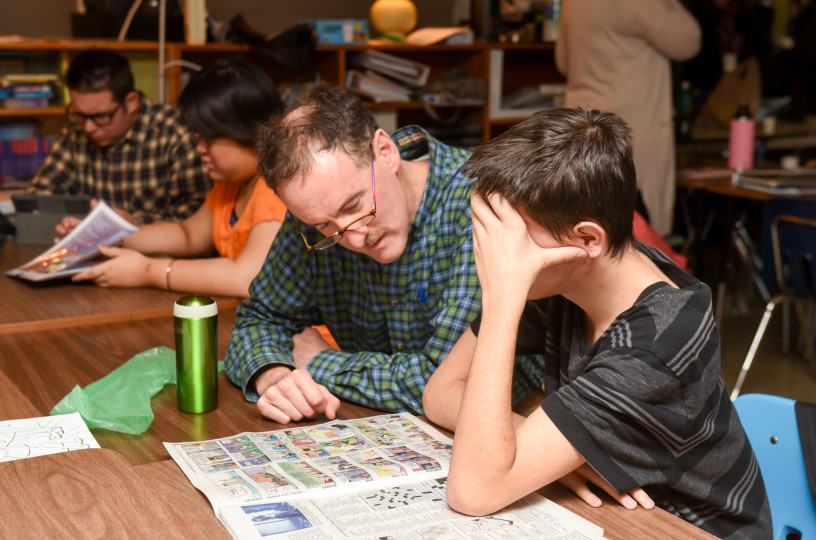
394, 322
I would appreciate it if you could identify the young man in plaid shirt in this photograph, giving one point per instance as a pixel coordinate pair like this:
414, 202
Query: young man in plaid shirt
120, 148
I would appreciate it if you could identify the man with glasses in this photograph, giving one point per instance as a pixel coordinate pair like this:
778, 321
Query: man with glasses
376, 246
120, 148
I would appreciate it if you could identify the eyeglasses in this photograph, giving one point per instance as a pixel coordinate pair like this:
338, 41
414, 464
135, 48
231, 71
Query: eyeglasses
355, 225
99, 120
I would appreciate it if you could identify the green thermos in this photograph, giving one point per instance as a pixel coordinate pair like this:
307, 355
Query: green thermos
195, 321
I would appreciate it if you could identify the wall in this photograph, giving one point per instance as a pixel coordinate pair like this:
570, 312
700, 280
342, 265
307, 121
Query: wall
52, 18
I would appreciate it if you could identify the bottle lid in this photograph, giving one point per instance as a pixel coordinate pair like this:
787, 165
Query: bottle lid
195, 306
743, 112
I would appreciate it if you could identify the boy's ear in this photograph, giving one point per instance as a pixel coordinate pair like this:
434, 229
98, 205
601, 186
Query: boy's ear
591, 237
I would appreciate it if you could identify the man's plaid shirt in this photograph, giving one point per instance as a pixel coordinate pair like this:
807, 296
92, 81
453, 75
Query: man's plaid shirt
153, 172
395, 322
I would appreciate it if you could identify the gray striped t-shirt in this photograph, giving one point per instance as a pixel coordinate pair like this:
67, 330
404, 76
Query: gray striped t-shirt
646, 404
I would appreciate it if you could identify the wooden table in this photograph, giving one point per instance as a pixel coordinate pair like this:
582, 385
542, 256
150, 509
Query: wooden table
61, 303
38, 369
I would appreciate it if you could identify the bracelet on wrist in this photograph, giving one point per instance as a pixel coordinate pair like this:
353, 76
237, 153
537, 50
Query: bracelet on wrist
167, 273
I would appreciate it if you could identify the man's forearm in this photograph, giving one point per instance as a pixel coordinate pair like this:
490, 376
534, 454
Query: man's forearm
377, 380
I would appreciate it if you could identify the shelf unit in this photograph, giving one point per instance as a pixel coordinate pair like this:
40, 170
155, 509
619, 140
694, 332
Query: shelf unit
524, 64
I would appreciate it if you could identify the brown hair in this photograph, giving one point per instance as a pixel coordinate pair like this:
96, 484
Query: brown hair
564, 166
326, 118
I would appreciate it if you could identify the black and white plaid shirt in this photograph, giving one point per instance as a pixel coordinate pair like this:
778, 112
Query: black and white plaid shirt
153, 172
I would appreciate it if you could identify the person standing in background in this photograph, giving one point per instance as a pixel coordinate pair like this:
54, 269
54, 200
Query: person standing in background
615, 55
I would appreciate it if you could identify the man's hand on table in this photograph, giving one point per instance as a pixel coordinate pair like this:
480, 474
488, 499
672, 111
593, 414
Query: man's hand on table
288, 395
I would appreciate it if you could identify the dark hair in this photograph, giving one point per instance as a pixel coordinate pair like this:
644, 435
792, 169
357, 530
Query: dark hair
97, 70
232, 99
564, 166
327, 117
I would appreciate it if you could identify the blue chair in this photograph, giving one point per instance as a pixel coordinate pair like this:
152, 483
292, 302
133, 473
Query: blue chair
770, 423
788, 268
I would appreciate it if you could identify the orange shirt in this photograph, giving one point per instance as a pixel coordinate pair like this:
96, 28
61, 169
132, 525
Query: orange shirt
263, 205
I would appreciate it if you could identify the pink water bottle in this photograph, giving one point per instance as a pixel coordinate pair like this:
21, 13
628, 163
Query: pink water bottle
741, 140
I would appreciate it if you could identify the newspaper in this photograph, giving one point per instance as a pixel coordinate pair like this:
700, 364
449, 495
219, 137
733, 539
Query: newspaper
79, 250
375, 477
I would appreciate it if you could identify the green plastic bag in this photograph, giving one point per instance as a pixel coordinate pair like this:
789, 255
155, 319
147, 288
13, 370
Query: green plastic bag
120, 401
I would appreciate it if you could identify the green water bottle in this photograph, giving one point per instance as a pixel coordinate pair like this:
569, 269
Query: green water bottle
195, 321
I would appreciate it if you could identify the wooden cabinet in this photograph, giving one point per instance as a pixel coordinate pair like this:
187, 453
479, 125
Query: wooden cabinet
523, 65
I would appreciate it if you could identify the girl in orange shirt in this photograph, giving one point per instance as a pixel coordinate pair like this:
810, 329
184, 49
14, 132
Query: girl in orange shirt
225, 105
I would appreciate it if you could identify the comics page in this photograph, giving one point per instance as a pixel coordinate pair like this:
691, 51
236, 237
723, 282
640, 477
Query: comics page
377, 477
340, 456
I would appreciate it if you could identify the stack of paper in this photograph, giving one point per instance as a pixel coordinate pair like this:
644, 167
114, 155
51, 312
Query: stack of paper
376, 87
777, 181
401, 72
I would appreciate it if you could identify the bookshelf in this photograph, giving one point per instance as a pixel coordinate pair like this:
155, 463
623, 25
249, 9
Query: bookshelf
522, 64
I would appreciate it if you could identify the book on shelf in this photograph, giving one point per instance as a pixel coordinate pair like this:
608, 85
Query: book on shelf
396, 67
79, 249
21, 158
376, 87
537, 97
376, 477
29, 90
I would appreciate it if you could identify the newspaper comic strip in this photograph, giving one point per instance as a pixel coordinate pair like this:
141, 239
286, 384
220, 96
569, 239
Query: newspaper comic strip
313, 461
363, 478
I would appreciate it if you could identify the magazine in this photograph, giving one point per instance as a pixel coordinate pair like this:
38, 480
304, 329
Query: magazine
375, 477
79, 250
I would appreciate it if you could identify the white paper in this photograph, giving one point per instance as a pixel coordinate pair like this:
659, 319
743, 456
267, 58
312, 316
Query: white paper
30, 437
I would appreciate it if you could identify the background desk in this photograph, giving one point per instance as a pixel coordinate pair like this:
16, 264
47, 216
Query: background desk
62, 303
787, 137
38, 369
720, 184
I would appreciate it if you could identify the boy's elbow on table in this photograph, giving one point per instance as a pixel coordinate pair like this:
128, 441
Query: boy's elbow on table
471, 497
